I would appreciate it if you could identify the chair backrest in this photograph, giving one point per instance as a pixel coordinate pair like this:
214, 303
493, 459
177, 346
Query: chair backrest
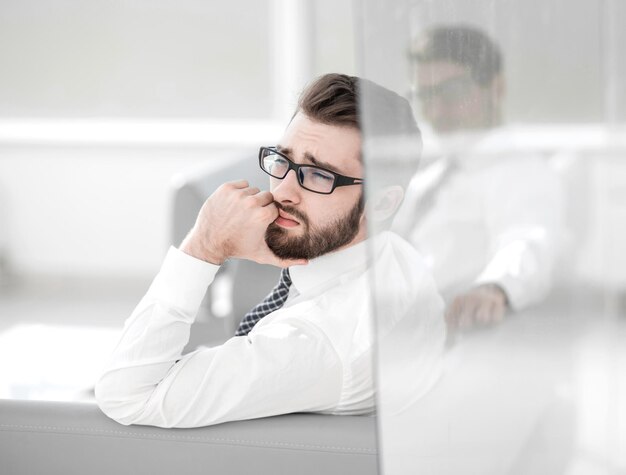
191, 187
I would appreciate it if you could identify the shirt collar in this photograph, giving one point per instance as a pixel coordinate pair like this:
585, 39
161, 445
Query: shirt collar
329, 266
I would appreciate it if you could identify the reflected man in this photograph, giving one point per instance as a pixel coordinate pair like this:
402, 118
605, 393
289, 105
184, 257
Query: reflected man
486, 221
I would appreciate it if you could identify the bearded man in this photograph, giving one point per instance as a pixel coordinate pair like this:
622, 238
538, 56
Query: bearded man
308, 346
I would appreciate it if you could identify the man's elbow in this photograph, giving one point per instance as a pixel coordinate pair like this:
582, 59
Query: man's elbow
116, 401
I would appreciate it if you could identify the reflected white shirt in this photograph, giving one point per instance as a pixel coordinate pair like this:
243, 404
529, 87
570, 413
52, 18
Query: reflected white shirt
312, 355
495, 219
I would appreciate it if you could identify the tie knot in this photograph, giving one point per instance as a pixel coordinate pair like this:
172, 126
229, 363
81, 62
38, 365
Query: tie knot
285, 278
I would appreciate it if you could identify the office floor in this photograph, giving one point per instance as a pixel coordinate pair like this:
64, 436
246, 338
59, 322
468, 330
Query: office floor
56, 332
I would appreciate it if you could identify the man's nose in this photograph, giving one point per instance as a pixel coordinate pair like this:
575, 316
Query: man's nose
436, 111
288, 189
433, 107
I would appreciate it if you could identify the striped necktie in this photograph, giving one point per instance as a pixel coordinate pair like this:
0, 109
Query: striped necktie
421, 195
272, 302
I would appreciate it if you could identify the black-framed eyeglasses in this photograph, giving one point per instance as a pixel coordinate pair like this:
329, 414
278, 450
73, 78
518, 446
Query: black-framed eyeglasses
315, 179
452, 90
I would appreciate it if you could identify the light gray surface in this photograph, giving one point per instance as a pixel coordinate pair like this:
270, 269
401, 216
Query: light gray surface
76, 438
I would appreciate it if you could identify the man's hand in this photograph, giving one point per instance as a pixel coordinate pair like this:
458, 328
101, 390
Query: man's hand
481, 306
232, 223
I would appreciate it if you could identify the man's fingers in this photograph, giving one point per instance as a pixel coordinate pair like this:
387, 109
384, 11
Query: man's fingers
238, 184
268, 213
499, 311
469, 312
264, 198
253, 190
492, 311
485, 313
481, 306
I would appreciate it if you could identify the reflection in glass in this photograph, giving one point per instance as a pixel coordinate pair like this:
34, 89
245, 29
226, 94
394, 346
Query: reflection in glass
517, 208
458, 78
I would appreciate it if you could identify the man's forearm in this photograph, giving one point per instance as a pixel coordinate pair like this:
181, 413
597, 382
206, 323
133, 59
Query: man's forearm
148, 381
154, 336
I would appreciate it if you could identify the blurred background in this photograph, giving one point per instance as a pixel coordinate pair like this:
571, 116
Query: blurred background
101, 106
106, 107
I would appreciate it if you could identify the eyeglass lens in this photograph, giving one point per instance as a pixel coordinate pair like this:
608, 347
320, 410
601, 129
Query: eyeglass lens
451, 90
311, 178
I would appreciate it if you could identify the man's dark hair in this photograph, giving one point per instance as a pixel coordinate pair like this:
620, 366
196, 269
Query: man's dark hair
331, 99
461, 44
342, 100
391, 137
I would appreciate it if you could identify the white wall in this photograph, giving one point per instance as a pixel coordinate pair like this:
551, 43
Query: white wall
140, 58
91, 196
101, 208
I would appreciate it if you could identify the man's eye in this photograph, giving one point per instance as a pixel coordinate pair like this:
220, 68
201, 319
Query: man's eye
322, 176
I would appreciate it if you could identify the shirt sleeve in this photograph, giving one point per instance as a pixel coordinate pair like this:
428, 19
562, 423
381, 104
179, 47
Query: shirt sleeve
281, 368
524, 216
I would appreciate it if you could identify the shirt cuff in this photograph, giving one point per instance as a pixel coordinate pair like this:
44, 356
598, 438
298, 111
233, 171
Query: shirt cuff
182, 281
505, 284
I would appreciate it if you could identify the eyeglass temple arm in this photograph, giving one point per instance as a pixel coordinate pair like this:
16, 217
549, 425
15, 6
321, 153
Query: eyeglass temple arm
346, 180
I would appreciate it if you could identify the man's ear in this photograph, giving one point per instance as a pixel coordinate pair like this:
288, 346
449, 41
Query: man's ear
385, 203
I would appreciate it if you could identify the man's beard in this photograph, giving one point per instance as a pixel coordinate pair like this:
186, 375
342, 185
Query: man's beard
313, 242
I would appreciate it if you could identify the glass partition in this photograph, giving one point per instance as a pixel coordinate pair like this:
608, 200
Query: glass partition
502, 337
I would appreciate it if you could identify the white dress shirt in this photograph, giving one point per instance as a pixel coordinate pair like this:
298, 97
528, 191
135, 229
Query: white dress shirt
315, 354
494, 218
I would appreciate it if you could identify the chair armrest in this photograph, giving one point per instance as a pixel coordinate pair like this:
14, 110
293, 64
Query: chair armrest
76, 438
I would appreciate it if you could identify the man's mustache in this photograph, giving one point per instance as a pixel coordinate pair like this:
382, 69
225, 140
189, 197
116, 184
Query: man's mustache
293, 212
